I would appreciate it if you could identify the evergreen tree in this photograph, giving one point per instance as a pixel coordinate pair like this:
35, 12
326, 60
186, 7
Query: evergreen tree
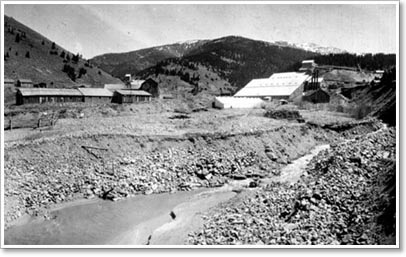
82, 71
27, 55
17, 40
63, 54
53, 46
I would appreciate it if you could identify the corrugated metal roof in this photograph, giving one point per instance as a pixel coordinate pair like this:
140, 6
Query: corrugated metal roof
114, 86
136, 84
133, 92
49, 92
95, 92
279, 84
267, 91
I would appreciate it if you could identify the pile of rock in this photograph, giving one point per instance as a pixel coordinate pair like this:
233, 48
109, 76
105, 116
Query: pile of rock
347, 197
283, 113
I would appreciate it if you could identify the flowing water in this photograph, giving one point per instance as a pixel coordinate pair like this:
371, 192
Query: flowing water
129, 221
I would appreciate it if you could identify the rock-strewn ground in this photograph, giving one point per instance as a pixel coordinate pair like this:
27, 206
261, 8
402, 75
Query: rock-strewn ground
346, 197
47, 172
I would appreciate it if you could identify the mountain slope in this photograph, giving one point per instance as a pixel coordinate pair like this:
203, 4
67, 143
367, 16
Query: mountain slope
226, 64
132, 62
29, 55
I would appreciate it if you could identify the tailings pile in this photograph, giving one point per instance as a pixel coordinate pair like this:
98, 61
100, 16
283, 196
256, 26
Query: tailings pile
48, 172
347, 197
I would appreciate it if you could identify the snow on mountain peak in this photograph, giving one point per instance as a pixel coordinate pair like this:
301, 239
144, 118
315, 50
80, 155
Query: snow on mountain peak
312, 47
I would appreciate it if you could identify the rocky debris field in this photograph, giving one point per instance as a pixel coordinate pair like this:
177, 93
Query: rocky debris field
48, 172
347, 196
288, 114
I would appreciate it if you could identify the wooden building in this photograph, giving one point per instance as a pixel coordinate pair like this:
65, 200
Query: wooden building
150, 86
25, 83
308, 66
131, 96
47, 95
9, 82
96, 95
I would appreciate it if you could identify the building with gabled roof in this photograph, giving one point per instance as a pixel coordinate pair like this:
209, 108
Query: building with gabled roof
308, 65
24, 83
9, 82
47, 95
285, 85
96, 95
131, 96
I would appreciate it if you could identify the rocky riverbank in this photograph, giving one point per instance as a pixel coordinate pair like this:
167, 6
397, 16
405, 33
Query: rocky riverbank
44, 173
346, 197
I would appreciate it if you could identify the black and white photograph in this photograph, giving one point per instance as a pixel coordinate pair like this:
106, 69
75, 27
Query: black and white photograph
200, 124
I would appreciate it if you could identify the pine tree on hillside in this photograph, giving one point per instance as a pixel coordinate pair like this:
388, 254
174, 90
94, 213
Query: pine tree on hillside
17, 40
63, 54
27, 55
75, 58
53, 46
82, 71
42, 43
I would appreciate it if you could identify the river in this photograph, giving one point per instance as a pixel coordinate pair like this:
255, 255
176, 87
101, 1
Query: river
159, 219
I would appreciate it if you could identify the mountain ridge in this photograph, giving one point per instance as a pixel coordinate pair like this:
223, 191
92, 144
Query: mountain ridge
30, 55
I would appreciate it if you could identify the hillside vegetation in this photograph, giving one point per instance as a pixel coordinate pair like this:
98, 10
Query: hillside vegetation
29, 55
226, 64
119, 64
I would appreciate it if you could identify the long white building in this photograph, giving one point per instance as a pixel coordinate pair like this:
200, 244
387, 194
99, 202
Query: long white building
286, 85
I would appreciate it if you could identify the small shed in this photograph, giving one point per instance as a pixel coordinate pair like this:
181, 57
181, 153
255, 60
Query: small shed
131, 96
316, 96
96, 95
9, 82
47, 95
25, 83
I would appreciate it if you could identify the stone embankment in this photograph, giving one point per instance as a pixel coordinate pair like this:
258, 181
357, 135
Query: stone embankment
346, 196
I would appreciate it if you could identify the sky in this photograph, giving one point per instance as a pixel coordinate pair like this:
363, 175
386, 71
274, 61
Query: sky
102, 28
